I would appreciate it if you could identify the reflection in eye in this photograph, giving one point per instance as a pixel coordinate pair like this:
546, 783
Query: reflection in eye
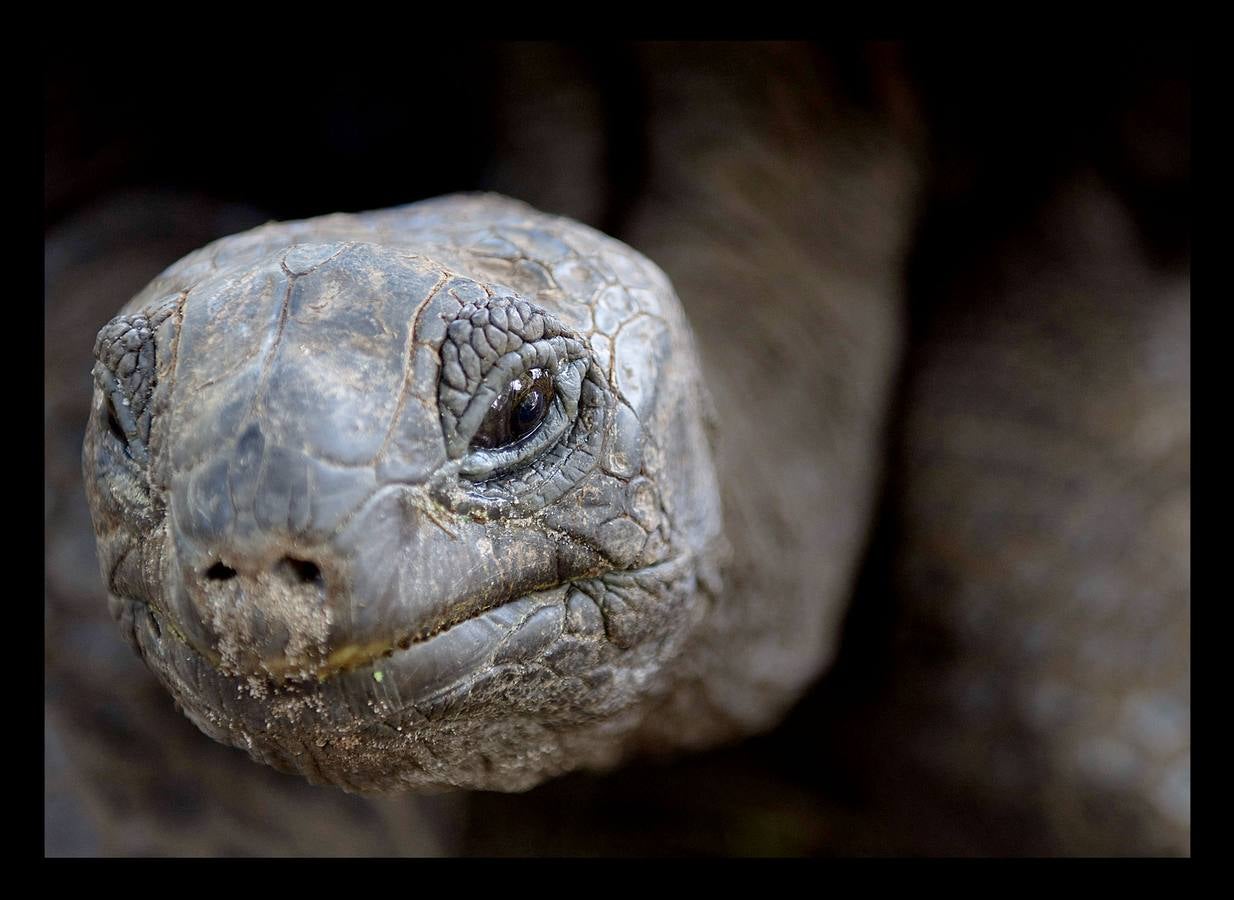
116, 429
518, 412
113, 425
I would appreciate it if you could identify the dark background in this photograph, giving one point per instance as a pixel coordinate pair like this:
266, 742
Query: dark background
1003, 123
172, 159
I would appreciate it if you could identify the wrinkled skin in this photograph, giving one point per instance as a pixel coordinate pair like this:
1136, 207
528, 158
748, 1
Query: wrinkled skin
302, 538
1001, 720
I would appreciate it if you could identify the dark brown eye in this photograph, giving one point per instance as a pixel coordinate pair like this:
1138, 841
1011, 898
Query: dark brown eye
518, 412
113, 425
117, 430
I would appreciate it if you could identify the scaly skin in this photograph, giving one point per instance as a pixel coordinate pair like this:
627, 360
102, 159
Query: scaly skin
755, 178
302, 541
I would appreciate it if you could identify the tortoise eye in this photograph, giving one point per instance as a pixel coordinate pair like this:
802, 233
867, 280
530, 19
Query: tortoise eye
113, 425
518, 412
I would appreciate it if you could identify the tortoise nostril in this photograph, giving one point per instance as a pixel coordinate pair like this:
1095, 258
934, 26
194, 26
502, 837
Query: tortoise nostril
302, 570
220, 572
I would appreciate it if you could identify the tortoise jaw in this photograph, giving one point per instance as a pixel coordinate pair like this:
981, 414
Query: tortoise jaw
414, 671
351, 656
379, 724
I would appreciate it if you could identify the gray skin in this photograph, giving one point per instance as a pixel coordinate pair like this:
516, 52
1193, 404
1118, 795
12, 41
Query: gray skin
1037, 700
303, 538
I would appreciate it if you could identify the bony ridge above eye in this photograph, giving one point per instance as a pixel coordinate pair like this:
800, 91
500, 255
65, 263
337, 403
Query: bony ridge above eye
509, 389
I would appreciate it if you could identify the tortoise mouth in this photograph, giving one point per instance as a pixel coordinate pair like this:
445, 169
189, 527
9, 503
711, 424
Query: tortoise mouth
349, 657
354, 656
410, 672
431, 674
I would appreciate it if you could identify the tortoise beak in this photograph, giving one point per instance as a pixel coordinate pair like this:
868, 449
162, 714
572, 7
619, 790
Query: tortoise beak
258, 596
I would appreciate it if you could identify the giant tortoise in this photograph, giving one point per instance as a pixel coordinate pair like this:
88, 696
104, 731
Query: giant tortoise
454, 494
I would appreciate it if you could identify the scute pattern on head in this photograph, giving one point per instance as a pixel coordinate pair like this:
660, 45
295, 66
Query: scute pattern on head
328, 573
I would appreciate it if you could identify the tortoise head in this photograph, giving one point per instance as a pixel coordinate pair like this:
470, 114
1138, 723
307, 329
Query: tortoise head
407, 499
